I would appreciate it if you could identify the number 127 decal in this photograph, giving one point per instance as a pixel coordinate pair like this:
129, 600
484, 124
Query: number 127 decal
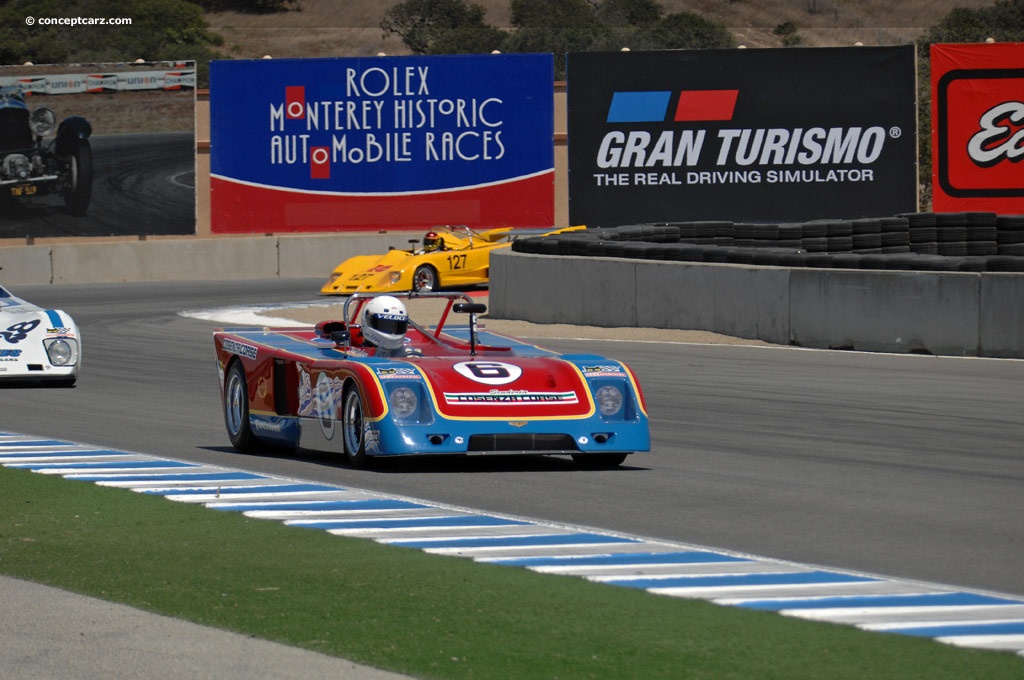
456, 262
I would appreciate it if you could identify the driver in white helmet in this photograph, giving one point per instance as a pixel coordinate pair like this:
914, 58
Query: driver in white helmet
383, 324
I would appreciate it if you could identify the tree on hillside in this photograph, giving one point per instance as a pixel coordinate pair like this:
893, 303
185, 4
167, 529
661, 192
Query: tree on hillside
1003, 21
558, 26
160, 30
248, 6
685, 30
442, 26
629, 12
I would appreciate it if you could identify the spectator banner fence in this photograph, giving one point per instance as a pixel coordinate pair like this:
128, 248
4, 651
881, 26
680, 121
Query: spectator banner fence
978, 127
348, 144
744, 135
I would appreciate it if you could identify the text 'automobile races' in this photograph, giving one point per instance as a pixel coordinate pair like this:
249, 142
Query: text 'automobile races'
37, 343
378, 383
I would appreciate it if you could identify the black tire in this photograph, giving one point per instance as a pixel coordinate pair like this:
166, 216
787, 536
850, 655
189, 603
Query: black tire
352, 433
79, 187
236, 409
424, 279
599, 461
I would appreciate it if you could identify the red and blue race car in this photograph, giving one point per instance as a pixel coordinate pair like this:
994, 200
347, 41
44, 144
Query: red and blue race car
377, 383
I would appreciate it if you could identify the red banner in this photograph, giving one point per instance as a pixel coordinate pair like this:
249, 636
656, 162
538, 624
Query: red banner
978, 127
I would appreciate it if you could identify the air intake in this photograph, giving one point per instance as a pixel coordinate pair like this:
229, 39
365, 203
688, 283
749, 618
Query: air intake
523, 442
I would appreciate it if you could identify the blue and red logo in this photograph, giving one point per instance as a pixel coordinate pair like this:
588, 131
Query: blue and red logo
691, 106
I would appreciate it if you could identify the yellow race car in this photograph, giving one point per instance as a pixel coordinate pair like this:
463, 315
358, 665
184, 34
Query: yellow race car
448, 256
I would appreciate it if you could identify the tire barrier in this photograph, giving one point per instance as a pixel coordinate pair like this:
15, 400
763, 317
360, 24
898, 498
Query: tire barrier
913, 283
966, 241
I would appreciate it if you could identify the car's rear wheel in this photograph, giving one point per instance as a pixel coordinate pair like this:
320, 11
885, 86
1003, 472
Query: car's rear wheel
236, 409
352, 432
79, 188
599, 461
424, 279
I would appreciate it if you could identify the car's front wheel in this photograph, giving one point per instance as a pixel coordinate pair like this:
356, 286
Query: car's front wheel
352, 433
79, 186
236, 409
424, 279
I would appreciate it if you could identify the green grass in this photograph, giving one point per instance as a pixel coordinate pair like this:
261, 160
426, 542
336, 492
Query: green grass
420, 614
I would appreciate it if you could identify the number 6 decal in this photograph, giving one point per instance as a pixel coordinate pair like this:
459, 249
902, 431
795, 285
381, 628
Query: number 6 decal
489, 372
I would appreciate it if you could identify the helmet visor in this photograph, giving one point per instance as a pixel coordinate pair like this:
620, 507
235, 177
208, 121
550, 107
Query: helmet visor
392, 324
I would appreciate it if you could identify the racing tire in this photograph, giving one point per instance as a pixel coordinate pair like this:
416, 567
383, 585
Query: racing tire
79, 189
424, 279
352, 433
236, 409
599, 461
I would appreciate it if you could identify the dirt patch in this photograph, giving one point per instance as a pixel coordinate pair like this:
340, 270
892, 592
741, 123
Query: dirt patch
427, 311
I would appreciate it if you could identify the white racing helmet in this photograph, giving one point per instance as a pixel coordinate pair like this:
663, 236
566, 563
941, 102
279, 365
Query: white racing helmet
384, 322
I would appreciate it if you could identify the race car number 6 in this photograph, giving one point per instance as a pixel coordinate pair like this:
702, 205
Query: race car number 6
489, 372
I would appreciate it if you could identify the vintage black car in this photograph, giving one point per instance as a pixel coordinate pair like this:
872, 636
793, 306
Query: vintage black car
30, 166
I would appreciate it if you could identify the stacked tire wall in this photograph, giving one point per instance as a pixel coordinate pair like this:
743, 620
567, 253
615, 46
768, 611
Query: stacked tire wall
944, 284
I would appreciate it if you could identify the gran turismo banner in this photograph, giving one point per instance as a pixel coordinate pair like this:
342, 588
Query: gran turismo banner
743, 135
307, 145
978, 127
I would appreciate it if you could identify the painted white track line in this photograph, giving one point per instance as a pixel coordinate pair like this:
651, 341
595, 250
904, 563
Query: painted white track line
944, 613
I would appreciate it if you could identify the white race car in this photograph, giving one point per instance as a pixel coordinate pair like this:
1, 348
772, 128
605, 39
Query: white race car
36, 343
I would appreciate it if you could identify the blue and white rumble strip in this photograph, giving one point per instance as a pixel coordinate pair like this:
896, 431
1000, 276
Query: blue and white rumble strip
950, 615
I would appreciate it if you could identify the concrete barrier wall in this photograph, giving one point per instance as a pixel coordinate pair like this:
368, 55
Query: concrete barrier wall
1001, 316
26, 265
883, 311
947, 313
188, 259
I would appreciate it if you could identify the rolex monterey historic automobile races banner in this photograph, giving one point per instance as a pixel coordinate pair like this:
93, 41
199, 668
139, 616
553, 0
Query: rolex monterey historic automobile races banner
381, 142
744, 135
977, 122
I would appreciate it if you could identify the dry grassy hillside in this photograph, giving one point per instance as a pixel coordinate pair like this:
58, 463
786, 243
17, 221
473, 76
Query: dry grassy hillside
326, 28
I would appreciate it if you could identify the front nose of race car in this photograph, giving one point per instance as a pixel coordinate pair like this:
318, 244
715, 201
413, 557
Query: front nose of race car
39, 345
568, 411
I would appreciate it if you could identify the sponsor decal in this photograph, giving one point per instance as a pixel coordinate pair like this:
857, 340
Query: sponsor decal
604, 372
9, 354
489, 372
510, 397
263, 425
261, 388
58, 331
327, 389
392, 373
240, 348
371, 439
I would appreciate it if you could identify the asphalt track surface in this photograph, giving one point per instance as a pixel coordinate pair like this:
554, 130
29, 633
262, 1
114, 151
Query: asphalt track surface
902, 466
142, 184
